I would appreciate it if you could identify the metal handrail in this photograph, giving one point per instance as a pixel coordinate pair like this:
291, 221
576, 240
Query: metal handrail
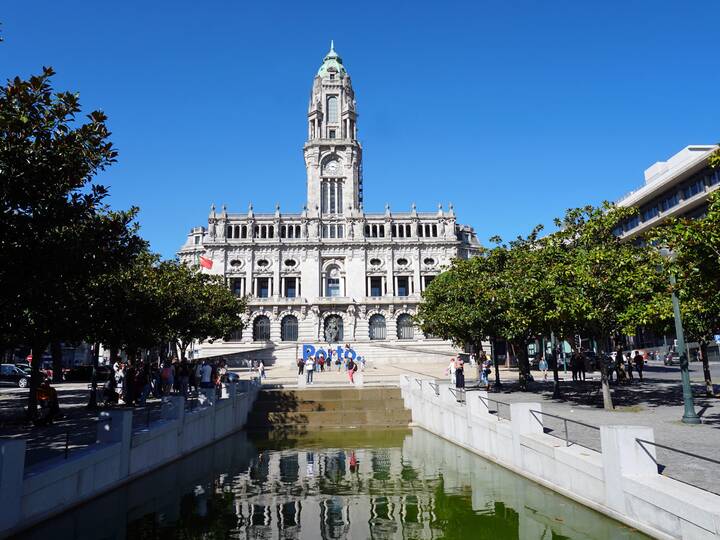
565, 426
486, 403
642, 442
435, 387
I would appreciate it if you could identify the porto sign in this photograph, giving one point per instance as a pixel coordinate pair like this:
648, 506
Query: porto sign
338, 352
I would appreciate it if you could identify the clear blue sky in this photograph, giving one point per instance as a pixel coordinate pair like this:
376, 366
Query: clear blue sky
512, 110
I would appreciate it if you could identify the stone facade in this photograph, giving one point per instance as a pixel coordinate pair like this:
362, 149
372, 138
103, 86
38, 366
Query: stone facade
332, 273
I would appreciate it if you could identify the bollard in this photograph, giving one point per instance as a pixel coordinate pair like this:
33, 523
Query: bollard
12, 470
523, 423
622, 456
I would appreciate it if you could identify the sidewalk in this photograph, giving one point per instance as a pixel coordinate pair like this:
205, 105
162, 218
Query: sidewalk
77, 428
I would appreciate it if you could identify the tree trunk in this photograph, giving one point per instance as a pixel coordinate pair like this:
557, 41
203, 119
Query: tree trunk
607, 396
37, 351
556, 375
498, 384
523, 364
709, 390
56, 352
92, 402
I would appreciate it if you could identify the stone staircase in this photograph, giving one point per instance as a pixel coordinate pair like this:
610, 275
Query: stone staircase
333, 408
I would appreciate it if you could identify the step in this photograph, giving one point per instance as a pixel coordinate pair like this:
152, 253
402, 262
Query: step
328, 405
329, 394
330, 419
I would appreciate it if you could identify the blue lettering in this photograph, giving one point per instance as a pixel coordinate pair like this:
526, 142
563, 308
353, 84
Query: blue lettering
308, 351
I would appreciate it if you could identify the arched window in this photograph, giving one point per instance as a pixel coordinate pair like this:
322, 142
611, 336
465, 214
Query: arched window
377, 327
289, 328
333, 329
405, 327
332, 109
243, 232
261, 328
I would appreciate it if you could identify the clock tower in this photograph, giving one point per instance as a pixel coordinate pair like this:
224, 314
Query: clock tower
333, 155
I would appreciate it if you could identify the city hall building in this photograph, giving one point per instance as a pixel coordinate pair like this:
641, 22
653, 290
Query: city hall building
332, 273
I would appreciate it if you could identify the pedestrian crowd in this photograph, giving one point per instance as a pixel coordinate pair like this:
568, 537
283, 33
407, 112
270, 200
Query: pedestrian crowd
133, 384
319, 363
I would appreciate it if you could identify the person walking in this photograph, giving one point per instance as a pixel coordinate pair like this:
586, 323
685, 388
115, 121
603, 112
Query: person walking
309, 369
629, 366
261, 370
543, 366
639, 364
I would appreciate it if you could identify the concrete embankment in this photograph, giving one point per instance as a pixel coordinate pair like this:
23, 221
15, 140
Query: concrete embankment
621, 481
119, 456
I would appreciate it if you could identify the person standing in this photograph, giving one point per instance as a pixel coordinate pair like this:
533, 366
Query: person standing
300, 365
351, 369
450, 370
309, 369
261, 370
459, 373
543, 365
629, 366
639, 364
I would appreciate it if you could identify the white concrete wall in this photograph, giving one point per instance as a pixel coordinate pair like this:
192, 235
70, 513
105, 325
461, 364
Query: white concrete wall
32, 495
621, 481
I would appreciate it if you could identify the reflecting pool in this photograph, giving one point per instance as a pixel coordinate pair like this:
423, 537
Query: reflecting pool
333, 484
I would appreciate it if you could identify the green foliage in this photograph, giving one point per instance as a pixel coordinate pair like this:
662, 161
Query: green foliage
605, 286
695, 244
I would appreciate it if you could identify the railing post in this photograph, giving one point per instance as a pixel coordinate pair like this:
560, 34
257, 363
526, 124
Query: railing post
116, 427
523, 423
12, 470
622, 456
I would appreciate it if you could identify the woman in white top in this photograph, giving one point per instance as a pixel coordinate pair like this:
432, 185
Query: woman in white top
451, 371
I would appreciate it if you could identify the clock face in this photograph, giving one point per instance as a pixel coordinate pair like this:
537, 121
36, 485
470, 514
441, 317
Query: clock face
331, 168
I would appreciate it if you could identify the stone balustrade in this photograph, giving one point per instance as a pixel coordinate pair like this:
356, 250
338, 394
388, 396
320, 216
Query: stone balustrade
119, 456
621, 481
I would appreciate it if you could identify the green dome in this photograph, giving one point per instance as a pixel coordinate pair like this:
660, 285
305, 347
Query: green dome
332, 63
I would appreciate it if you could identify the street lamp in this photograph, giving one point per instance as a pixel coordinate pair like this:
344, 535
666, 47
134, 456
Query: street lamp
689, 416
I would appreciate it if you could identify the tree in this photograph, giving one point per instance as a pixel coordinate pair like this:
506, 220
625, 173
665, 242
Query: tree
51, 214
459, 304
198, 306
609, 286
696, 265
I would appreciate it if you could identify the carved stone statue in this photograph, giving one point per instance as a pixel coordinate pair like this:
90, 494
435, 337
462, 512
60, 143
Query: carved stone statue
332, 330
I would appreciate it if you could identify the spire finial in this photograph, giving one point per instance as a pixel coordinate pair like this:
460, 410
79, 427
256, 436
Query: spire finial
332, 45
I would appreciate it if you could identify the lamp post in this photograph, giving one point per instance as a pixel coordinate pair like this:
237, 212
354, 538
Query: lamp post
689, 416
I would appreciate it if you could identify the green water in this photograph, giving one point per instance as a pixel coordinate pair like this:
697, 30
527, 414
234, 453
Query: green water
386, 484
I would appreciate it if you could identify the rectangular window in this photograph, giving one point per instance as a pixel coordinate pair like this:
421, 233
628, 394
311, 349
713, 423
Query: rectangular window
650, 213
428, 280
290, 288
332, 197
670, 201
403, 286
197, 240
339, 231
693, 189
332, 134
236, 286
333, 287
263, 287
376, 286
332, 231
